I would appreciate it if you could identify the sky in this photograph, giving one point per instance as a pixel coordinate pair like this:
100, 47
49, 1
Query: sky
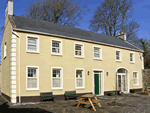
141, 13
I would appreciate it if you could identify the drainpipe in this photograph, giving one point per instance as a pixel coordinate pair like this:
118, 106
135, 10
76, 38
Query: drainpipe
18, 64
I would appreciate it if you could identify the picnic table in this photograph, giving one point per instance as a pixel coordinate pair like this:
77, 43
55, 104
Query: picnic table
89, 99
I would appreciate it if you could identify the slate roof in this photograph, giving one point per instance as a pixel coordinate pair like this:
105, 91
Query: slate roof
53, 28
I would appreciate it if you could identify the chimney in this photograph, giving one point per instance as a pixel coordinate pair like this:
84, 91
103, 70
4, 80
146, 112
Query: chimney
9, 8
122, 36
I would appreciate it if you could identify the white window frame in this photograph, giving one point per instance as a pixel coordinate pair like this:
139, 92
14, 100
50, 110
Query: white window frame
61, 75
37, 45
30, 89
82, 50
133, 57
5, 49
120, 55
137, 78
83, 72
60, 50
100, 48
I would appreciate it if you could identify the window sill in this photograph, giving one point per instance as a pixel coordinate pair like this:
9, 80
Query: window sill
57, 88
54, 54
34, 52
132, 62
135, 84
32, 89
80, 87
79, 57
98, 59
119, 61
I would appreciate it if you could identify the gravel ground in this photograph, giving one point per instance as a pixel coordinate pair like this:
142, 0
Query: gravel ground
129, 103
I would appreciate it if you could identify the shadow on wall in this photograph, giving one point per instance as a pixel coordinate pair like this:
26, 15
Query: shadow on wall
4, 108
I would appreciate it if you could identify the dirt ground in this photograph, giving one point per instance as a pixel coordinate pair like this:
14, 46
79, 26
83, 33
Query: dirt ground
128, 103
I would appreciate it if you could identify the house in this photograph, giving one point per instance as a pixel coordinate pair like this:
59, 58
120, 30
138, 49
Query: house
38, 56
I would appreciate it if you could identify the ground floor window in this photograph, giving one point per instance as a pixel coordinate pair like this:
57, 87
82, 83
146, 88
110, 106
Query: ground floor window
32, 77
79, 78
135, 79
57, 78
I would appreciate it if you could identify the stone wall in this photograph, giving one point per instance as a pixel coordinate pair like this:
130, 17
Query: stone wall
146, 78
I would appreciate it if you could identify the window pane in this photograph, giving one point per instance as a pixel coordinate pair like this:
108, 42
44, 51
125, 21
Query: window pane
79, 83
131, 59
56, 82
96, 50
117, 57
79, 73
32, 83
55, 44
32, 41
96, 55
32, 47
55, 50
117, 52
78, 47
31, 72
56, 73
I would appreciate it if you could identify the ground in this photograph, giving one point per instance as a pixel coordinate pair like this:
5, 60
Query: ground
128, 103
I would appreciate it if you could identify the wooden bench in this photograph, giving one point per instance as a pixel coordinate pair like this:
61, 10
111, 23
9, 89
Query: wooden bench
70, 94
46, 96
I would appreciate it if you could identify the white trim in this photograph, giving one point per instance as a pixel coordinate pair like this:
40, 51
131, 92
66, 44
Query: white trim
137, 78
5, 49
13, 45
13, 87
13, 50
13, 96
32, 89
13, 63
132, 62
13, 100
83, 74
13, 82
13, 73
13, 68
13, 54
13, 41
13, 77
102, 81
13, 91
13, 59
127, 76
61, 75
67, 37
82, 50
37, 45
60, 49
100, 48
119, 56
142, 61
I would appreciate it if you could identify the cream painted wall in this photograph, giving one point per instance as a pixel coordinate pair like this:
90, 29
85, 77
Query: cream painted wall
5, 87
68, 62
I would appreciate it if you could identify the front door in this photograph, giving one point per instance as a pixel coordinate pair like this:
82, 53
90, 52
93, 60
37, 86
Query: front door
122, 82
97, 83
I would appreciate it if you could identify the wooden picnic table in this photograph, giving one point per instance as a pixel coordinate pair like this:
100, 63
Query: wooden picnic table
87, 99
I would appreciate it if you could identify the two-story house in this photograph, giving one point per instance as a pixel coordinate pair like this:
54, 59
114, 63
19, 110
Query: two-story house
39, 56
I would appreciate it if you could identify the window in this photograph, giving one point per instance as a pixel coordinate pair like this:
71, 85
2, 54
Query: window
56, 47
79, 50
57, 78
33, 44
135, 79
97, 53
80, 79
132, 58
118, 55
32, 78
5, 50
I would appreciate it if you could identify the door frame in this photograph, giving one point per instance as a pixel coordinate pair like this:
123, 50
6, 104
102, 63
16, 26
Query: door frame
121, 74
128, 79
102, 81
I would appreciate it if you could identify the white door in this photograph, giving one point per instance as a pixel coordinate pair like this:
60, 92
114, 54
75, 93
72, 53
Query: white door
122, 82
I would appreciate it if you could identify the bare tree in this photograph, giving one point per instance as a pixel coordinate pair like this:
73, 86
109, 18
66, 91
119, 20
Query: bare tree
113, 16
65, 12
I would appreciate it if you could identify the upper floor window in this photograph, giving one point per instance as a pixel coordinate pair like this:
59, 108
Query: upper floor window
56, 47
118, 55
5, 50
97, 53
132, 58
57, 78
79, 50
79, 78
33, 44
32, 78
135, 79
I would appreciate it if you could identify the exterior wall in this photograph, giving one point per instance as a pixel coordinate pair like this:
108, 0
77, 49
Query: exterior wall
6, 77
69, 63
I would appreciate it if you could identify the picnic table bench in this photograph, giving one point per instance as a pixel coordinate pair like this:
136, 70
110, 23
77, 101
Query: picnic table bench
88, 99
70, 94
47, 95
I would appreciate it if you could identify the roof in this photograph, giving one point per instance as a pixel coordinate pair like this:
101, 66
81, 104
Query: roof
25, 23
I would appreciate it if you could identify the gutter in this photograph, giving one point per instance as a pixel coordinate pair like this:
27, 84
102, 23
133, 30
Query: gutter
18, 64
67, 37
